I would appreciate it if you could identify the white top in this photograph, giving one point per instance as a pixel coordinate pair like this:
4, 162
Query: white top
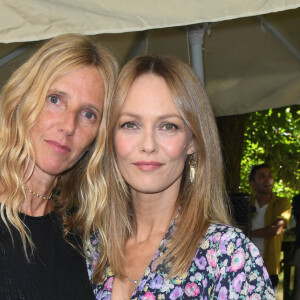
258, 222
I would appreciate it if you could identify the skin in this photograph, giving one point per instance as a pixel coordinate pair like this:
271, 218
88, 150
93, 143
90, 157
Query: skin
262, 185
63, 132
151, 142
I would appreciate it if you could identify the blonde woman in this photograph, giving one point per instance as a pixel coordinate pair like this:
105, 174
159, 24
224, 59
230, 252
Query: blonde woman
50, 115
165, 233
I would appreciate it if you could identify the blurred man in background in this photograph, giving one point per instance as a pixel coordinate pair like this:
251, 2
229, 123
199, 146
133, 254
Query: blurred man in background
271, 216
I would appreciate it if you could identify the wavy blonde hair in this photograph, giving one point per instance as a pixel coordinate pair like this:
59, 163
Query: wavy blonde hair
202, 202
22, 100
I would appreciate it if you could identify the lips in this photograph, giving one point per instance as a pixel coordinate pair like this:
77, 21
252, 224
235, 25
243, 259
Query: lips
148, 165
268, 185
58, 147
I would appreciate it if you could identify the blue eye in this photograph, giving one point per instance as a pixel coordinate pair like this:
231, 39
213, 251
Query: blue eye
89, 115
54, 99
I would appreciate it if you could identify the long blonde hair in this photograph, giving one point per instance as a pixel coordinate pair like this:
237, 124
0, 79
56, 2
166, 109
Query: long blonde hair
202, 202
21, 102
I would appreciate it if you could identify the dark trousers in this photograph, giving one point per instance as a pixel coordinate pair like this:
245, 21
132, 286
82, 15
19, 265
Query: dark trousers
274, 280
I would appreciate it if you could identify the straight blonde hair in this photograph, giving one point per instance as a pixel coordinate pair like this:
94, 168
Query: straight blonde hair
21, 102
201, 203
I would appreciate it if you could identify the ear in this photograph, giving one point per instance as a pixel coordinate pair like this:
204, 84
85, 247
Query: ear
252, 184
191, 147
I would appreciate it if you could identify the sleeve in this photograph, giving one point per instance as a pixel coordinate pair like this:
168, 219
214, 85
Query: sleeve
283, 209
241, 271
92, 255
296, 206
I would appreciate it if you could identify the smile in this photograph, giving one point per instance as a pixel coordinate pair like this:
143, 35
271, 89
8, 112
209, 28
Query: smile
148, 165
58, 147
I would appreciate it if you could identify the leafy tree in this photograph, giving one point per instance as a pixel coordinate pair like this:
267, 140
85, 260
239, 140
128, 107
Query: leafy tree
273, 136
231, 130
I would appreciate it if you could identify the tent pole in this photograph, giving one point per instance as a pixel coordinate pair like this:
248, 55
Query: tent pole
280, 37
139, 44
13, 54
195, 37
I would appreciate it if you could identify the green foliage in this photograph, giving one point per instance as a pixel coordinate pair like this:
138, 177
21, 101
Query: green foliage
273, 136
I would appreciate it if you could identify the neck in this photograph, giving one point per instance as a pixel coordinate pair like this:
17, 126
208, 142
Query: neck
263, 199
33, 204
36, 208
153, 213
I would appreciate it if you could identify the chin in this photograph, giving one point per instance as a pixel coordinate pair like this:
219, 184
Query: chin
150, 189
53, 170
267, 192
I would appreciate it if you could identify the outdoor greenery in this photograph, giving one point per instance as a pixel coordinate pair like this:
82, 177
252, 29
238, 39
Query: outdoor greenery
273, 136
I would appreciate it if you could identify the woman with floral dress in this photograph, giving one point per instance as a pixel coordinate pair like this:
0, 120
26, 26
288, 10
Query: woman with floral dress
164, 232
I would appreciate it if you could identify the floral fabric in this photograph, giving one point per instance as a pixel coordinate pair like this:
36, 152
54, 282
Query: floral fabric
226, 266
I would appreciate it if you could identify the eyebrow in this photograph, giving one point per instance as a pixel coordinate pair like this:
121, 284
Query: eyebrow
61, 93
128, 114
55, 91
263, 173
93, 107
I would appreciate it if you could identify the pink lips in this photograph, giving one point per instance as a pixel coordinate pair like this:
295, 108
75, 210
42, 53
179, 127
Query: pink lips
58, 147
148, 165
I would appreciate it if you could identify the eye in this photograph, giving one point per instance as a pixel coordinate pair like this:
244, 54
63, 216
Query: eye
169, 126
129, 125
89, 115
54, 99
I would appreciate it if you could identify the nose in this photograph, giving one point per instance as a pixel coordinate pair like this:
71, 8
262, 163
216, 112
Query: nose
148, 141
67, 123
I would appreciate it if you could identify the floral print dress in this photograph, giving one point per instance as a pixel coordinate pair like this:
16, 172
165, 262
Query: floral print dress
226, 266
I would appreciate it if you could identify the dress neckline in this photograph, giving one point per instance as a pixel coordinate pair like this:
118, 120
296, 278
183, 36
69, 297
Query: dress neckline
43, 218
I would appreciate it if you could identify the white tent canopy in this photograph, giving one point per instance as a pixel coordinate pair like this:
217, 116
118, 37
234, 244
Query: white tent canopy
249, 63
33, 20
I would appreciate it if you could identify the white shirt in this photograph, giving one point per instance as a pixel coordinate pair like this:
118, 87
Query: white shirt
258, 222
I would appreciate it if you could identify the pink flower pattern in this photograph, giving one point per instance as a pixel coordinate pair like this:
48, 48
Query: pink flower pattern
192, 290
212, 257
108, 284
238, 260
149, 296
217, 271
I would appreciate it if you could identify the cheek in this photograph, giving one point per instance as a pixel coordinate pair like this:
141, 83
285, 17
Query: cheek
43, 119
124, 145
86, 137
42, 125
175, 149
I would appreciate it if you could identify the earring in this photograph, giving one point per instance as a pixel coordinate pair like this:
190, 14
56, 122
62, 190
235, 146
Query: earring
192, 164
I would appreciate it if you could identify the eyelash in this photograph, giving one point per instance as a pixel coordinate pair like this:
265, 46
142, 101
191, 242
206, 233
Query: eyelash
134, 126
125, 125
93, 115
53, 96
174, 126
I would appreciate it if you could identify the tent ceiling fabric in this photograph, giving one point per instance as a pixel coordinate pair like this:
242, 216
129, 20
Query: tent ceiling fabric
33, 20
250, 67
245, 67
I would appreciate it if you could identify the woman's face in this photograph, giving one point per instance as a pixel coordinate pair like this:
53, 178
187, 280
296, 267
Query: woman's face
151, 139
69, 120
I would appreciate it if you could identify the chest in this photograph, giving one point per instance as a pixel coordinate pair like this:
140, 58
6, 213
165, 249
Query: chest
54, 269
199, 282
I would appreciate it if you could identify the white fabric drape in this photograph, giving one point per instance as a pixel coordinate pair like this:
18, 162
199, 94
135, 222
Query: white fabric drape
245, 67
33, 20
